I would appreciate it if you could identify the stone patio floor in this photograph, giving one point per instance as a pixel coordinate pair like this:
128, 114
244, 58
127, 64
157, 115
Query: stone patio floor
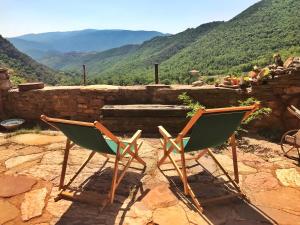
30, 167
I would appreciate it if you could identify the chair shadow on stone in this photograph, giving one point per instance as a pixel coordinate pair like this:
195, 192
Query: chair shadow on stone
206, 184
99, 183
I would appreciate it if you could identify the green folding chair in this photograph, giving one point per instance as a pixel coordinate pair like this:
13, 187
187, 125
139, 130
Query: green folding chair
207, 128
97, 138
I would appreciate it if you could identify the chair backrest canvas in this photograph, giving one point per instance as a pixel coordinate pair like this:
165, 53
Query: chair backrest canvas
214, 129
85, 135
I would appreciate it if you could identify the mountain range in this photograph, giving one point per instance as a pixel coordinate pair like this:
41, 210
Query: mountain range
231, 47
90, 40
23, 68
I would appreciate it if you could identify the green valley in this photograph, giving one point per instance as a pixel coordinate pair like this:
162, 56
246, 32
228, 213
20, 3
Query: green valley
23, 68
216, 48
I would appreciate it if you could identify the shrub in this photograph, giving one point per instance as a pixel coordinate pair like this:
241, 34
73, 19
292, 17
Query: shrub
193, 106
258, 114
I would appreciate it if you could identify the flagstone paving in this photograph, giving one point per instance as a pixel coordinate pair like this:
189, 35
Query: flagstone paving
30, 168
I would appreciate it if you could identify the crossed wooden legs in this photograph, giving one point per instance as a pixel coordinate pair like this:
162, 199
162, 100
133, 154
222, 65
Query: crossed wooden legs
116, 179
169, 145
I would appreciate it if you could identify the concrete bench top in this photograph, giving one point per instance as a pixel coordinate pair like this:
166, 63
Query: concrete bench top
142, 110
143, 107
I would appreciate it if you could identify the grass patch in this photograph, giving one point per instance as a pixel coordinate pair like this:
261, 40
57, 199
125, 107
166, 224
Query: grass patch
35, 130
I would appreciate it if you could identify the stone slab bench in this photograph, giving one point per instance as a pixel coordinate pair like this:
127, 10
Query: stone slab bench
129, 118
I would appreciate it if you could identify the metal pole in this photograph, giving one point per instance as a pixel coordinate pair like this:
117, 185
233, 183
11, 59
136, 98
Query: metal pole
84, 75
156, 72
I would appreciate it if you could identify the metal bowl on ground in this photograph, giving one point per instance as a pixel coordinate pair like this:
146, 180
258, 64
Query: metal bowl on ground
12, 124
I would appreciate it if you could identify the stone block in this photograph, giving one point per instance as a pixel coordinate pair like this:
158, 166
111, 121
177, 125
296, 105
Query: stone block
292, 90
82, 106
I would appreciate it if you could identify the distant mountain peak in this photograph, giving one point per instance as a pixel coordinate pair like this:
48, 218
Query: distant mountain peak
87, 40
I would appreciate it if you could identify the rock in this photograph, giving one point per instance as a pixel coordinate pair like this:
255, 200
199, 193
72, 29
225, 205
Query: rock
288, 177
198, 83
7, 211
227, 163
284, 164
55, 157
36, 139
33, 204
46, 172
260, 182
195, 218
6, 154
13, 162
138, 214
170, 215
5, 85
282, 205
288, 62
159, 196
30, 150
58, 209
292, 90
55, 146
14, 185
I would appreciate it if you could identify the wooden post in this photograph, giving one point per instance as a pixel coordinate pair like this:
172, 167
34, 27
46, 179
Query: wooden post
156, 73
84, 75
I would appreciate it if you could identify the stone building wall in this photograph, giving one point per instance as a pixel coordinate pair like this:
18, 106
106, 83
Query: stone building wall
84, 103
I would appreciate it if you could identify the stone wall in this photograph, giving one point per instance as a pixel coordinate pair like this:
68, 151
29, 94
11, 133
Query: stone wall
278, 94
5, 85
84, 103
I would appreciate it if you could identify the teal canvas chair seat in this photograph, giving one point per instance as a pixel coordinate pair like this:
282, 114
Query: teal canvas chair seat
208, 128
98, 139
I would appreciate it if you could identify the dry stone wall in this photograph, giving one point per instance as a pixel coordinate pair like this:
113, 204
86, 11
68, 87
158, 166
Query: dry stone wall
84, 103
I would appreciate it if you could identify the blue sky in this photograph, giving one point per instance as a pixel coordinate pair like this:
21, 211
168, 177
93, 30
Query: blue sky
169, 16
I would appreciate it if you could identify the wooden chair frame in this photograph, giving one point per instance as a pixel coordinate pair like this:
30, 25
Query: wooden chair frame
177, 144
116, 179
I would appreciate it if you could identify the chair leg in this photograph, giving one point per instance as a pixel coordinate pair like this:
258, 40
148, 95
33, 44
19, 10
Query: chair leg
195, 200
64, 165
202, 153
79, 170
183, 168
114, 179
188, 188
234, 158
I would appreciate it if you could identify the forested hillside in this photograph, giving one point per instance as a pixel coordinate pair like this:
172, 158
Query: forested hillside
232, 47
251, 38
129, 61
95, 61
24, 68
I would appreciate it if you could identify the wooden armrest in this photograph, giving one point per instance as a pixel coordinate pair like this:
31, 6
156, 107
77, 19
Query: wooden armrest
107, 133
174, 144
135, 137
164, 132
